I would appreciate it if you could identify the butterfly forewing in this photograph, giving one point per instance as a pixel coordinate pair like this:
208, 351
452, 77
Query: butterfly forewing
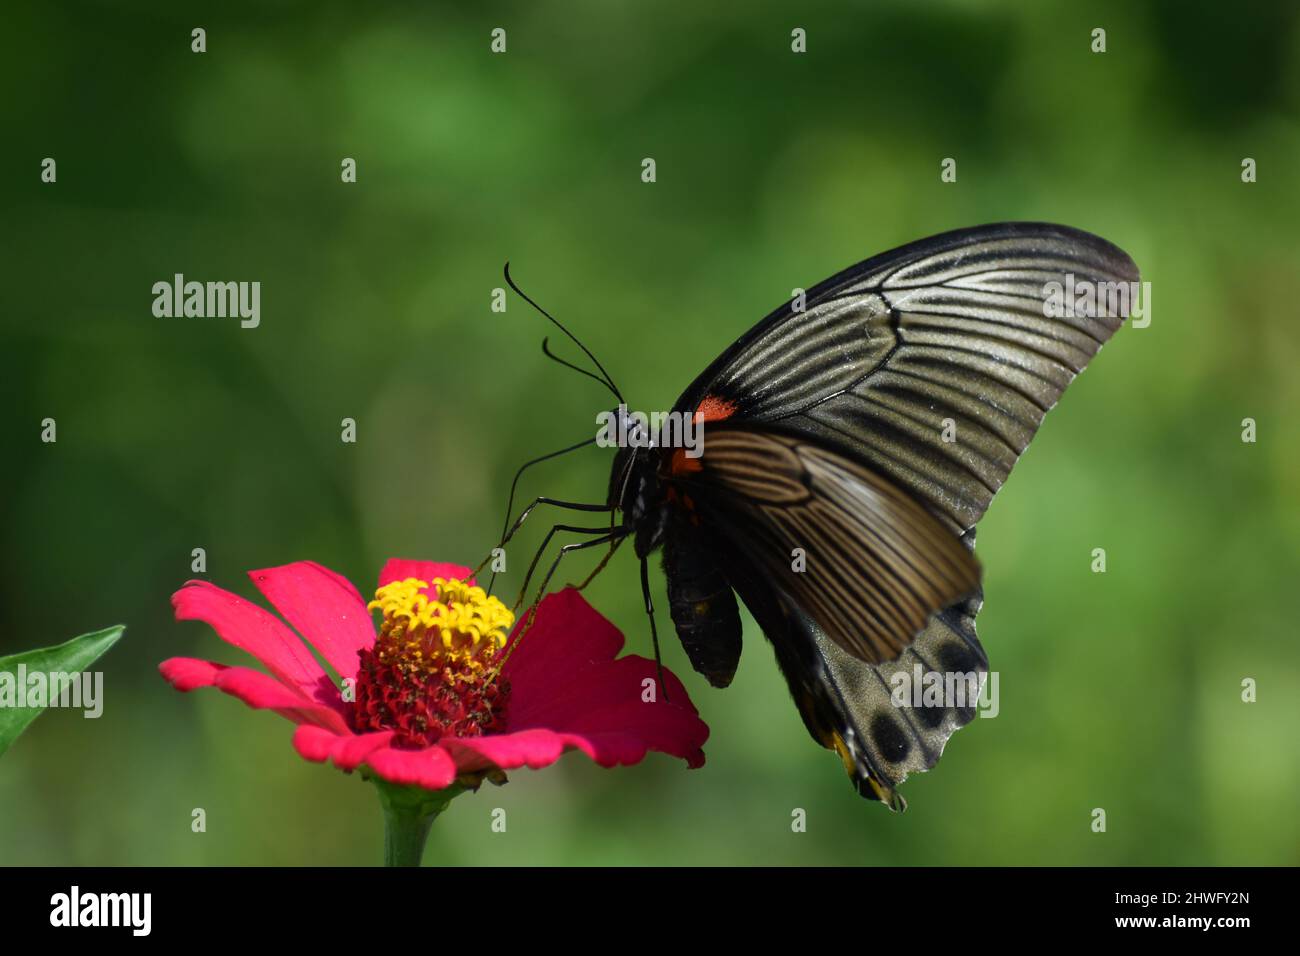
934, 364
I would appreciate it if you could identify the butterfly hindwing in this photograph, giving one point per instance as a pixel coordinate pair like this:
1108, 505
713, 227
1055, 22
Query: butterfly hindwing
869, 714
883, 722
862, 558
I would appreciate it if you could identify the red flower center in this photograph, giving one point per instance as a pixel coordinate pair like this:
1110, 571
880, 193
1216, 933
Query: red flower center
433, 671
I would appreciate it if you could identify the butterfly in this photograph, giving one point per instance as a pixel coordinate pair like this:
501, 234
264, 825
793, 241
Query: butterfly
850, 442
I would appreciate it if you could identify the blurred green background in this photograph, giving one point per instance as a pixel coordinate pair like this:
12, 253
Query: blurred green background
1118, 690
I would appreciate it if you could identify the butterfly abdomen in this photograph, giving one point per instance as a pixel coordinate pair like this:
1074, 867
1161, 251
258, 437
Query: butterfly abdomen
703, 605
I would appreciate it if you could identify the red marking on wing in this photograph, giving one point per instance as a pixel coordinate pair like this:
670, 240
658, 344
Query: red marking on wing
683, 464
714, 409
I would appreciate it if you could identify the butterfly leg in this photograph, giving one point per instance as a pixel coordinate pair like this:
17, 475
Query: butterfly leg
654, 632
554, 502
523, 516
604, 538
532, 567
613, 546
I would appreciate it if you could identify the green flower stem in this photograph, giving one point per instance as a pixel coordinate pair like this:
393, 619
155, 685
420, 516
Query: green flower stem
409, 812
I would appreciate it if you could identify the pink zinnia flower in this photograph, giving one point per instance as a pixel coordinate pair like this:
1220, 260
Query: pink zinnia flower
440, 697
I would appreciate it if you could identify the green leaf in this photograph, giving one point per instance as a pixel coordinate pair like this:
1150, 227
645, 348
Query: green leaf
70, 658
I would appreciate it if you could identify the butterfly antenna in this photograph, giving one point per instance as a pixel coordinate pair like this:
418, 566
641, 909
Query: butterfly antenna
609, 382
546, 350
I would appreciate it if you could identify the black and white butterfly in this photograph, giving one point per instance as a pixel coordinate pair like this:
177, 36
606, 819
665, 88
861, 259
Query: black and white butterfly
852, 440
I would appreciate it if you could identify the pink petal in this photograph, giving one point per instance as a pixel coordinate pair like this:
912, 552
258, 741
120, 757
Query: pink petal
608, 699
431, 768
254, 688
348, 751
594, 689
539, 748
564, 678
250, 628
399, 569
189, 673
323, 607
566, 633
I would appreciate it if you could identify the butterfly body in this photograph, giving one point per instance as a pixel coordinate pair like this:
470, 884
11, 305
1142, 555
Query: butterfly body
848, 449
